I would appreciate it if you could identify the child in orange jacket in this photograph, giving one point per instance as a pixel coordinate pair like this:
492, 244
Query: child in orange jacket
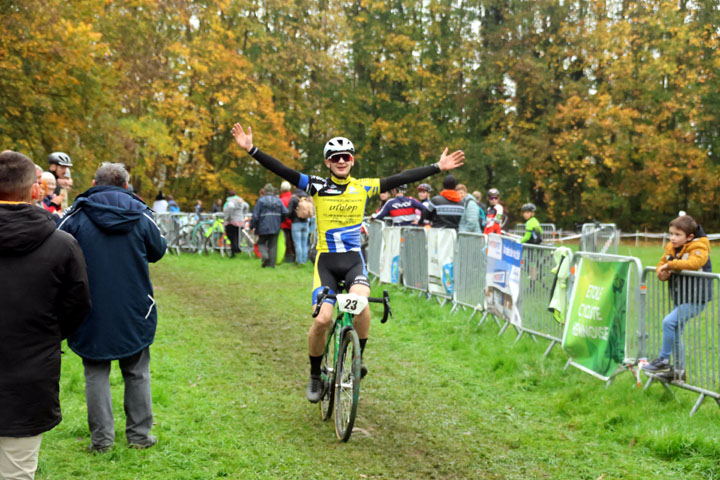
688, 249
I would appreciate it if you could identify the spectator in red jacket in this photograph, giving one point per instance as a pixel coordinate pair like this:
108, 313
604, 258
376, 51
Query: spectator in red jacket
286, 226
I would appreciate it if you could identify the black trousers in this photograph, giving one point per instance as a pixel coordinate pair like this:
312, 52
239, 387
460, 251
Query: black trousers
233, 234
267, 244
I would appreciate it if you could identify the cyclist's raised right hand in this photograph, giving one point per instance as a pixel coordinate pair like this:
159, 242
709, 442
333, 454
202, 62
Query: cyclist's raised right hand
243, 139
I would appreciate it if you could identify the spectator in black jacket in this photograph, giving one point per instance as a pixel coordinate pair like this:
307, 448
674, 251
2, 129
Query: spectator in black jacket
45, 296
118, 236
445, 209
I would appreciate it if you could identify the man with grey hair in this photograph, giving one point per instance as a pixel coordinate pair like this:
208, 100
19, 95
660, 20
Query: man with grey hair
45, 297
119, 236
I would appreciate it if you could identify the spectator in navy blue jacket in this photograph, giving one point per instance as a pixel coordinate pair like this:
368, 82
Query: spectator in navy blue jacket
268, 214
118, 236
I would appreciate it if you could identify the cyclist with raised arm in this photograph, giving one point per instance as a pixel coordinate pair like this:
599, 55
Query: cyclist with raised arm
339, 206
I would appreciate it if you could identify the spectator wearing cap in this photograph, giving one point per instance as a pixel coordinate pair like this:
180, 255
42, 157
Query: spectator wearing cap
268, 214
445, 209
58, 165
45, 297
119, 236
401, 209
286, 225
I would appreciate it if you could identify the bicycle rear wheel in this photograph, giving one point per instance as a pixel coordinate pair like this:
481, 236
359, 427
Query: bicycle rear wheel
347, 385
327, 369
208, 247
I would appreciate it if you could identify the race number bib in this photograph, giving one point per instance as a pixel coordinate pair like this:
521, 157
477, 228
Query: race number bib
351, 303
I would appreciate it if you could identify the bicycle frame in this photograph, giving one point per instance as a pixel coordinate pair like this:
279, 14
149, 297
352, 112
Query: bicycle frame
341, 373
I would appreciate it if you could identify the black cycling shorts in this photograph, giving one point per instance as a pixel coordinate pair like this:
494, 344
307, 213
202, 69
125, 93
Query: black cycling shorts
332, 268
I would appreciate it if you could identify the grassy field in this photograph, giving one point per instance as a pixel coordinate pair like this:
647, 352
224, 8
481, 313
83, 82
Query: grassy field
444, 399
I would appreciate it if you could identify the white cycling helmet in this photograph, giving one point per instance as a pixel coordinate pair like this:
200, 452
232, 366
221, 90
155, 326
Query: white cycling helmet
338, 145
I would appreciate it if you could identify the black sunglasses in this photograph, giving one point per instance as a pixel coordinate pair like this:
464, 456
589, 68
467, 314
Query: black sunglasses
341, 156
494, 198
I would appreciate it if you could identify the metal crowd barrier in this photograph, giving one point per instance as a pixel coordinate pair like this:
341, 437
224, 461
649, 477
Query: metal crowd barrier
600, 238
549, 231
647, 302
536, 282
469, 270
696, 366
374, 248
177, 228
413, 258
170, 224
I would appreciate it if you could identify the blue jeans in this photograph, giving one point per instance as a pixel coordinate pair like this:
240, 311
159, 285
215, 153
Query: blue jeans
673, 325
300, 233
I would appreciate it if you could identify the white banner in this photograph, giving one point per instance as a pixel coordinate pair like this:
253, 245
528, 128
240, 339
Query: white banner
441, 251
390, 256
503, 278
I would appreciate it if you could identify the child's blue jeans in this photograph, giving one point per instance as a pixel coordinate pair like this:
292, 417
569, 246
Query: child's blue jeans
673, 325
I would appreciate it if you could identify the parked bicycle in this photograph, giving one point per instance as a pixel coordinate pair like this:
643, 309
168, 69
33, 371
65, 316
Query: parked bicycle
340, 370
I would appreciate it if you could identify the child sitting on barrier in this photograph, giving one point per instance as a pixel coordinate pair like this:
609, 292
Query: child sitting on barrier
533, 231
688, 249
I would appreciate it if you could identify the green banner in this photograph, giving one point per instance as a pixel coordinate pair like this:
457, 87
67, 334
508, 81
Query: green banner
594, 334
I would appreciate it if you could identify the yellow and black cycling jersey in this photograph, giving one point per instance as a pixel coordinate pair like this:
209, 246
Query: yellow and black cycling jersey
339, 209
340, 202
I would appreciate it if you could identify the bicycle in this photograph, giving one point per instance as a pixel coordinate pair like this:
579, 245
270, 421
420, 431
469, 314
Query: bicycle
215, 238
341, 362
208, 235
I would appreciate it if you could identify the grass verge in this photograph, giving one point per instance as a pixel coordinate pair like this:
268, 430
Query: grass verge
444, 399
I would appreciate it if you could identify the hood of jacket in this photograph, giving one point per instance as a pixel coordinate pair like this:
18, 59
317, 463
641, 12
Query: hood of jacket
112, 209
23, 228
451, 195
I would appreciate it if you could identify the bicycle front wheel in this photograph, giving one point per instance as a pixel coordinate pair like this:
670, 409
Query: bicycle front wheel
327, 374
347, 385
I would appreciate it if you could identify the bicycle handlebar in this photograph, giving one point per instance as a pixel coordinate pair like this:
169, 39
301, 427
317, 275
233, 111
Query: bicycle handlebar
385, 300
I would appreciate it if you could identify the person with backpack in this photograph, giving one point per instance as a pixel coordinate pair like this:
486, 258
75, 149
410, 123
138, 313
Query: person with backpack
482, 210
533, 231
301, 211
470, 220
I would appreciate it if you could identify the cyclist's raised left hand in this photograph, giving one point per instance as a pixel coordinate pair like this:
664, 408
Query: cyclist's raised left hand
243, 139
454, 160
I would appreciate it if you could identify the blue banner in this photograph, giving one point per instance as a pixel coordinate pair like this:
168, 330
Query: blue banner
504, 260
